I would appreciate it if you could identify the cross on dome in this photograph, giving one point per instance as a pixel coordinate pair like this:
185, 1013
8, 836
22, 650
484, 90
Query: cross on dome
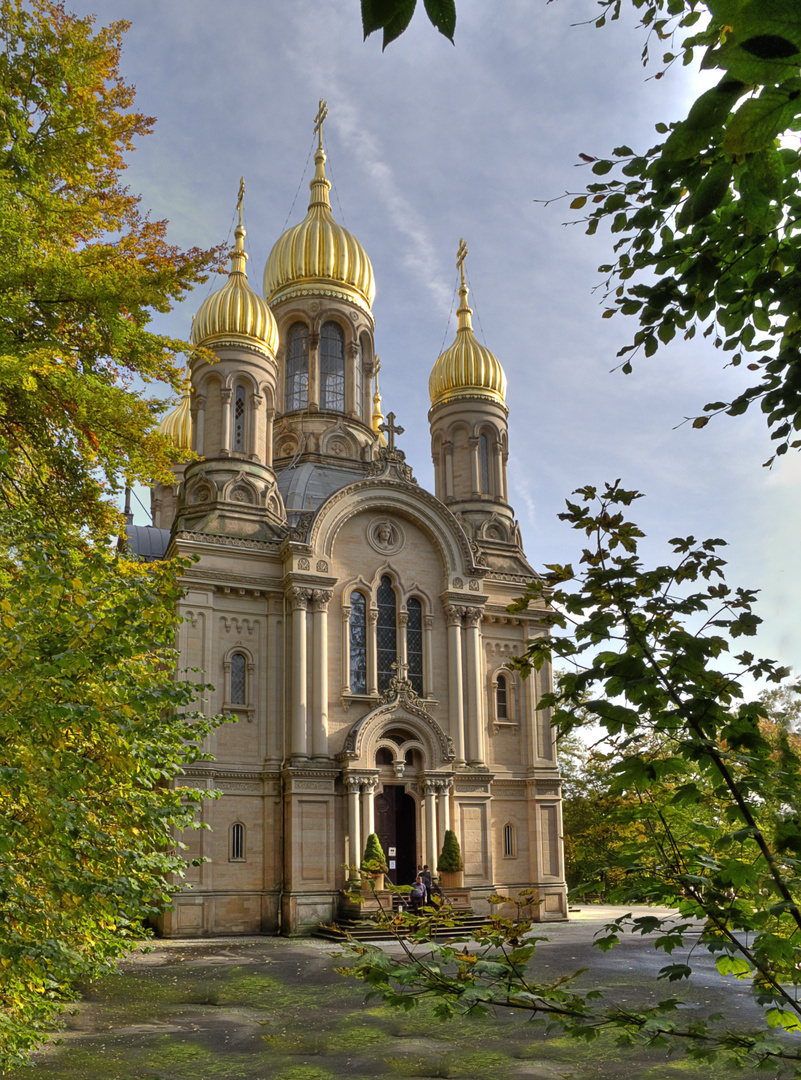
461, 255
240, 199
322, 112
391, 430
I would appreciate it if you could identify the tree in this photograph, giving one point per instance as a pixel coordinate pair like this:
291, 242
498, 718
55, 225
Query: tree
709, 220
94, 728
716, 796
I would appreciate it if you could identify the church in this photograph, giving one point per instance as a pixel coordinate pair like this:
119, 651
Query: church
354, 626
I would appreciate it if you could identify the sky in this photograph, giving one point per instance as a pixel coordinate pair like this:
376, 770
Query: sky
430, 142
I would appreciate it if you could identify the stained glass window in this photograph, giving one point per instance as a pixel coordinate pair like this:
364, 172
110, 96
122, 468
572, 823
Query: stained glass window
297, 367
502, 698
239, 419
238, 679
483, 447
386, 633
358, 643
332, 367
414, 644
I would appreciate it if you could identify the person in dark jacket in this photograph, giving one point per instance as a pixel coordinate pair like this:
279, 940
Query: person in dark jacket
418, 895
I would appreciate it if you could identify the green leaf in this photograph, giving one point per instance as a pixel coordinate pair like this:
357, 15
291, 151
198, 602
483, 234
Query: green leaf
442, 14
759, 120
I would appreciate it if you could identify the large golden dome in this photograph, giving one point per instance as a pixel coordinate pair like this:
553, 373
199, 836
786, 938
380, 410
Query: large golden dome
177, 424
319, 256
236, 311
467, 368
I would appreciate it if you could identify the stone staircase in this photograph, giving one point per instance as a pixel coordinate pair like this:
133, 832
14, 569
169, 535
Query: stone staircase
369, 929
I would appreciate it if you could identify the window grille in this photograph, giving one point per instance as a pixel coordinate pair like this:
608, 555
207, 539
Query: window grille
239, 419
238, 679
358, 643
483, 446
297, 367
332, 367
509, 841
414, 644
502, 698
237, 841
386, 633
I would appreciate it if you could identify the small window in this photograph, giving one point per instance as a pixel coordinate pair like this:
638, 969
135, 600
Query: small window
483, 447
502, 698
238, 679
358, 643
237, 842
509, 845
332, 367
297, 367
384, 756
239, 419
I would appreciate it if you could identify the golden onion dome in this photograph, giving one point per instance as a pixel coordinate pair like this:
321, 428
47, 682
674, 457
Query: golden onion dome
177, 424
235, 311
319, 256
467, 368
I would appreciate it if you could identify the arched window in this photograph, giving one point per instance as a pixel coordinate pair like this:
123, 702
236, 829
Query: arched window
386, 633
509, 842
483, 451
359, 385
237, 846
358, 643
332, 367
502, 698
239, 419
297, 367
239, 685
414, 644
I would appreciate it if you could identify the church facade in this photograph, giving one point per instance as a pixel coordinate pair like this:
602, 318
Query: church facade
354, 625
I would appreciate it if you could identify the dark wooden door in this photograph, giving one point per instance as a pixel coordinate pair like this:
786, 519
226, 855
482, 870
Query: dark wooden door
396, 826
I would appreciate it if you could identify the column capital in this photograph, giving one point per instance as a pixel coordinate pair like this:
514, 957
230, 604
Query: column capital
431, 787
370, 783
472, 616
353, 784
453, 614
225, 394
403, 618
200, 401
372, 616
299, 598
320, 599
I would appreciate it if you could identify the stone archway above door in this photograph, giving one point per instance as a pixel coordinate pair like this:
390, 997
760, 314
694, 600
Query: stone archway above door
400, 721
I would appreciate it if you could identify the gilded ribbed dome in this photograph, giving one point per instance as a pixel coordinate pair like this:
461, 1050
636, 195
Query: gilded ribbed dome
319, 256
467, 368
177, 424
235, 310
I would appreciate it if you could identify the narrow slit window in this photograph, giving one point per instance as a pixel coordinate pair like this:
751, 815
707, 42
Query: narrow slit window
238, 679
509, 841
297, 367
483, 447
386, 633
414, 644
502, 698
239, 419
238, 841
332, 368
358, 643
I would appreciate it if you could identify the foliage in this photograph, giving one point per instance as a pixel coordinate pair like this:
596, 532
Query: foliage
81, 270
713, 792
94, 727
708, 221
373, 861
450, 858
393, 16
782, 704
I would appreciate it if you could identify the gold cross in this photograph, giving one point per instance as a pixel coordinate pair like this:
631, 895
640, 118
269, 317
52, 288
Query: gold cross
240, 198
461, 255
322, 112
390, 430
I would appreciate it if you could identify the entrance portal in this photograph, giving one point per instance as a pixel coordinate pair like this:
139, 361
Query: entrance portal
396, 826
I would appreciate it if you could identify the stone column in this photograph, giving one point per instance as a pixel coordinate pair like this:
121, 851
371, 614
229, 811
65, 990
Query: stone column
403, 659
453, 617
274, 652
475, 466
430, 853
504, 459
368, 805
352, 403
314, 372
200, 426
319, 719
497, 466
269, 427
372, 655
346, 648
353, 856
252, 430
444, 805
225, 404
475, 749
428, 656
447, 449
298, 740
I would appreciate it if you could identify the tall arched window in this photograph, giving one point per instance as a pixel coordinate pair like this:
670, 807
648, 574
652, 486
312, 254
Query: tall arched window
386, 633
332, 367
358, 643
502, 698
237, 842
483, 451
239, 419
414, 644
239, 686
297, 367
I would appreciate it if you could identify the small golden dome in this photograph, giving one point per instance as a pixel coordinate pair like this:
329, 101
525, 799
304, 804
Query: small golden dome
467, 368
177, 424
319, 256
235, 310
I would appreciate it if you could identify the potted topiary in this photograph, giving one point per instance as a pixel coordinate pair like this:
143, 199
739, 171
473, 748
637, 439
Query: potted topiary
374, 865
449, 864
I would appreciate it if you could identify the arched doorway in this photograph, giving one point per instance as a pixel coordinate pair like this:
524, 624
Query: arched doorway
396, 826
